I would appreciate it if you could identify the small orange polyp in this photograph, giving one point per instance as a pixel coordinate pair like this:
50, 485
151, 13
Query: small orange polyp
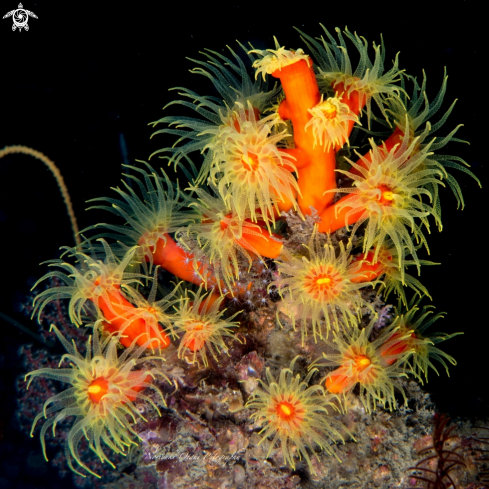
97, 389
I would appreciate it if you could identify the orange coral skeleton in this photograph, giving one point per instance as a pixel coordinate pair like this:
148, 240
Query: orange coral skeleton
315, 164
117, 317
170, 256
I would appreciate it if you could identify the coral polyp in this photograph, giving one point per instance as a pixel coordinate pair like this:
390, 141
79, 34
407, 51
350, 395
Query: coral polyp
104, 387
296, 415
363, 362
148, 219
223, 239
253, 173
200, 133
388, 193
276, 59
94, 280
367, 82
202, 326
413, 323
329, 122
322, 287
285, 243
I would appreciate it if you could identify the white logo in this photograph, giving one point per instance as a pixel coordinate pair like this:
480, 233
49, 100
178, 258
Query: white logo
20, 16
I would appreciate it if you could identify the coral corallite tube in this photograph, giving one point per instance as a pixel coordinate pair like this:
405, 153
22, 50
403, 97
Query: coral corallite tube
370, 269
315, 165
176, 260
333, 219
259, 240
117, 314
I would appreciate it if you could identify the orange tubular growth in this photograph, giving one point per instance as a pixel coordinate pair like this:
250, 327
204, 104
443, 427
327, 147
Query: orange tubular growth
332, 220
176, 260
315, 165
344, 378
340, 382
259, 240
117, 313
395, 348
370, 269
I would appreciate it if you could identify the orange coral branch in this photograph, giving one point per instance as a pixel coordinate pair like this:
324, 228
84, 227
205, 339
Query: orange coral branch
117, 314
176, 260
370, 269
316, 166
261, 241
332, 220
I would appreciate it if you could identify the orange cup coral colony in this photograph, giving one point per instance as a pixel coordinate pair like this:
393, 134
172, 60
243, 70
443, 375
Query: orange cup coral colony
260, 156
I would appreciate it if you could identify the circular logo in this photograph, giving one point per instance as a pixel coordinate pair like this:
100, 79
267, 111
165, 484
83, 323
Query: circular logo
20, 18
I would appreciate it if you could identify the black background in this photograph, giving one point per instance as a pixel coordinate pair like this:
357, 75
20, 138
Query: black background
84, 77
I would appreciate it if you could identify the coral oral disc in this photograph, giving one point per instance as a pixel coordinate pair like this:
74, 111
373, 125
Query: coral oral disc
285, 410
250, 161
362, 362
97, 389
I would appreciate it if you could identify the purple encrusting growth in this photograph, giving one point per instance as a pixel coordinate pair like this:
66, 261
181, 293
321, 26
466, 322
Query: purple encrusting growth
384, 317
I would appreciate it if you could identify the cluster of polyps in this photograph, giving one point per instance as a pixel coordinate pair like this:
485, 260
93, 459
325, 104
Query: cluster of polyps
266, 152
